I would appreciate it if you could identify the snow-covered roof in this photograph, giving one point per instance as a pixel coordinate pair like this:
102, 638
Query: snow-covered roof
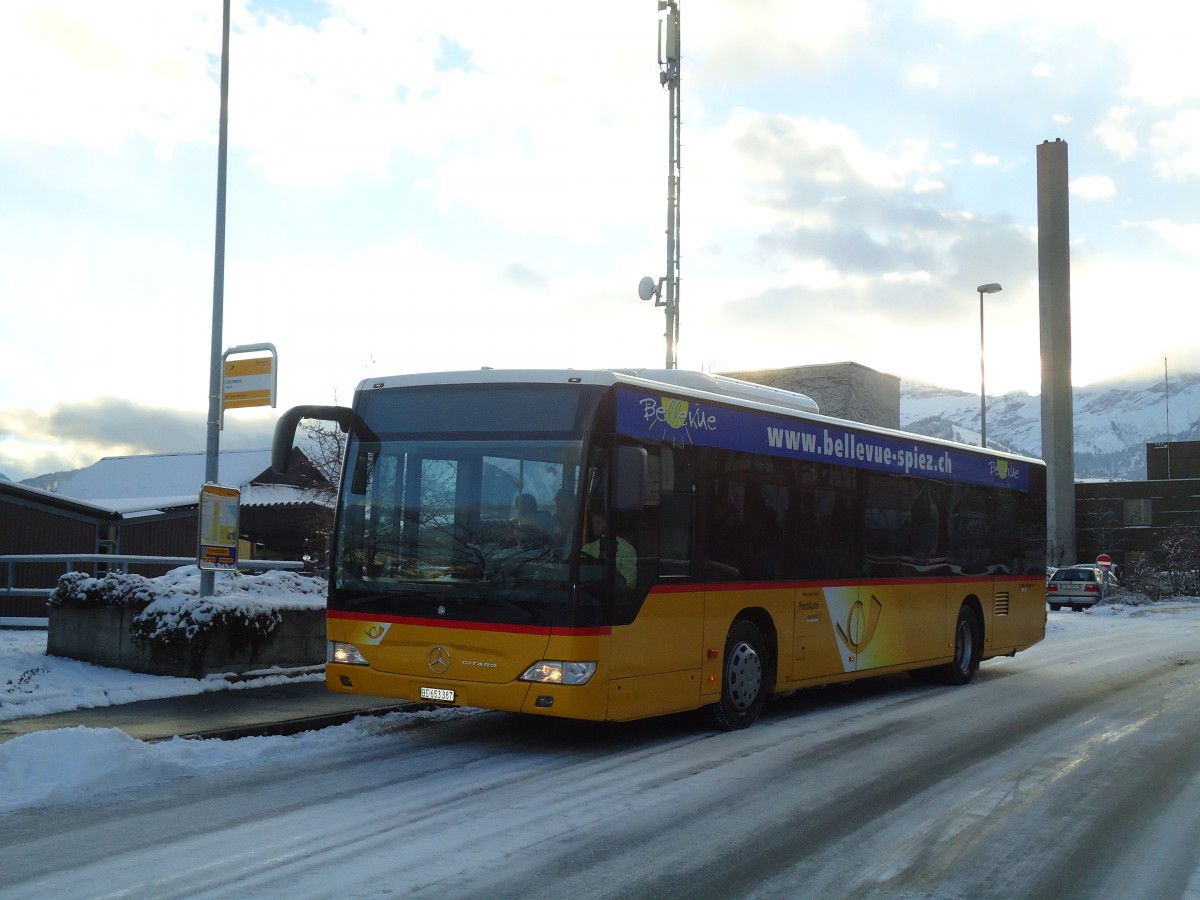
42, 496
132, 484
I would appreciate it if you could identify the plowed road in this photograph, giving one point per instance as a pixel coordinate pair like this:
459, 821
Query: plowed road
1072, 770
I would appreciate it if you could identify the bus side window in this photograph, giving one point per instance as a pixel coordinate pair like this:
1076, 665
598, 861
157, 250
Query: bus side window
675, 534
676, 511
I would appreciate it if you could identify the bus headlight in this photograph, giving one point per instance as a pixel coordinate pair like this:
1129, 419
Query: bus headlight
347, 654
556, 671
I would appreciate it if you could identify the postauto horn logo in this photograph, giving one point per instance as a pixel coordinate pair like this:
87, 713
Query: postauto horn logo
675, 415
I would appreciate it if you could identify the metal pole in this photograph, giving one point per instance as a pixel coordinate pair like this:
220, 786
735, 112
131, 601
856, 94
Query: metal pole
982, 391
670, 79
1167, 404
212, 455
983, 289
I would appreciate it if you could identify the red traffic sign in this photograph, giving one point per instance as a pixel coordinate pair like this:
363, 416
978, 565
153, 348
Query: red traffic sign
1104, 560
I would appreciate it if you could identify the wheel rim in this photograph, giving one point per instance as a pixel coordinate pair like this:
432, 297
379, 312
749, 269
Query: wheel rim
744, 676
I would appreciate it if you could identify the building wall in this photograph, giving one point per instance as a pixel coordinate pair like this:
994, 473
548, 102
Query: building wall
168, 534
1133, 521
1176, 459
28, 526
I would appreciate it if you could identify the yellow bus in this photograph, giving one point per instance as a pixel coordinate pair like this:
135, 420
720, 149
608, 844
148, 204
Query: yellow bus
611, 545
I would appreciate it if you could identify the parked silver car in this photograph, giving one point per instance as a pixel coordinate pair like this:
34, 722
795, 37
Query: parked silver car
1078, 586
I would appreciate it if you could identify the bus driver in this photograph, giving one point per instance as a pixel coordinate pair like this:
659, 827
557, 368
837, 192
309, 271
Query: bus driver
626, 556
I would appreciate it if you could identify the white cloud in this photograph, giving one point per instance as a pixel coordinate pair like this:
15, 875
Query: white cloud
1185, 237
743, 41
1093, 187
1155, 41
1176, 145
98, 74
925, 75
1114, 134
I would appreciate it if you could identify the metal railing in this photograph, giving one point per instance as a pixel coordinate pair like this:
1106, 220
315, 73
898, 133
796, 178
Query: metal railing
117, 562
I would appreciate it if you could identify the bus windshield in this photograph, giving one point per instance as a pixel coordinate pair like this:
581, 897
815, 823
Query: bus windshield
449, 511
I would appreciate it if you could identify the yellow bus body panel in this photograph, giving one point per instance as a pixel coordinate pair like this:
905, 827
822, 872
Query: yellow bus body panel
1016, 616
670, 658
655, 661
483, 665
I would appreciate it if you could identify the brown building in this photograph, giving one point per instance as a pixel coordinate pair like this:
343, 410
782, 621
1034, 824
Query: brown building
148, 506
1134, 521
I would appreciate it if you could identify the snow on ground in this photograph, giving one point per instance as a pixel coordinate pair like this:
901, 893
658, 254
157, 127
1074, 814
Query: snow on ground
34, 684
72, 765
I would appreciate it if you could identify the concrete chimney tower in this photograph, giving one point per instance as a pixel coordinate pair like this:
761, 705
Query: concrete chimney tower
1054, 280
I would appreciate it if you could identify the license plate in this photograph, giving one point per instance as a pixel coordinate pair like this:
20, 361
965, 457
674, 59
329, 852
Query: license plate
441, 695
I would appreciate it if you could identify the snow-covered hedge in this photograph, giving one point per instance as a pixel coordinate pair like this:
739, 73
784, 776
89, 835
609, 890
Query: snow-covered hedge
81, 589
176, 623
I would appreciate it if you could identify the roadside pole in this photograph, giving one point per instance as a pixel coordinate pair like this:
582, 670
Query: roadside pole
213, 450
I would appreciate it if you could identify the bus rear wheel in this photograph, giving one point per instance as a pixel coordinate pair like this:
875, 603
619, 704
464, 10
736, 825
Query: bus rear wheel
743, 678
968, 644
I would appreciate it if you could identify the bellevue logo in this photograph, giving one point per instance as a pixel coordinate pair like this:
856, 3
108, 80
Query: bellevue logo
1004, 469
675, 412
676, 415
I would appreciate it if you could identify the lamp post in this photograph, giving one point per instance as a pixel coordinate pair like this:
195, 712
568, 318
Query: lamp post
983, 289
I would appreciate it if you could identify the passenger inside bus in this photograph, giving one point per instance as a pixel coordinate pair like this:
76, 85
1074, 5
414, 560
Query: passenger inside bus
531, 526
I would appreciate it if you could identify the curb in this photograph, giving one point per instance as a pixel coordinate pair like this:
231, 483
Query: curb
287, 727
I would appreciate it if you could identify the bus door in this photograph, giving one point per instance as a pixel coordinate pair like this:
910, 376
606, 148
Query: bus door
658, 619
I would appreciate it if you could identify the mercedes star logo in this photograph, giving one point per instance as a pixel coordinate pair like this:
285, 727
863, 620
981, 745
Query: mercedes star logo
439, 660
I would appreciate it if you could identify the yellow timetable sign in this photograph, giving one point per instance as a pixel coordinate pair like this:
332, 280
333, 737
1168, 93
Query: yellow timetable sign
220, 512
248, 382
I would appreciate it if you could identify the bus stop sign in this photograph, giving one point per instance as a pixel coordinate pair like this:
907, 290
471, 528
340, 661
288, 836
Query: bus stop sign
220, 511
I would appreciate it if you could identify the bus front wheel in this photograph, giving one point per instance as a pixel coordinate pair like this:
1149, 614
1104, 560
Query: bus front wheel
968, 644
743, 678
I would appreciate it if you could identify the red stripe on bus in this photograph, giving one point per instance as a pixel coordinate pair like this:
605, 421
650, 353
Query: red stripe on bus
469, 626
693, 587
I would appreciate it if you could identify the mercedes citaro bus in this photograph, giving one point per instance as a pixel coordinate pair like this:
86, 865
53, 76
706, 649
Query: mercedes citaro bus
610, 545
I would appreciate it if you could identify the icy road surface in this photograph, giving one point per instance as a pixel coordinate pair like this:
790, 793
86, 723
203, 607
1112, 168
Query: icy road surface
1072, 770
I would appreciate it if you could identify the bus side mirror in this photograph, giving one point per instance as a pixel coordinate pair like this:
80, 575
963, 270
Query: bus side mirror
285, 430
631, 477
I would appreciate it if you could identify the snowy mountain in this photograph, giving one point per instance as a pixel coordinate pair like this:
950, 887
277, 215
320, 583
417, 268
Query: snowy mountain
51, 481
1114, 419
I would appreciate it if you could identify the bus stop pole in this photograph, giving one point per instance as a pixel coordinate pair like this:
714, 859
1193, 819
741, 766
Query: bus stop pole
212, 454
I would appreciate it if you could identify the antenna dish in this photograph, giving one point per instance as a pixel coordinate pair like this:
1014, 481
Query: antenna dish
647, 288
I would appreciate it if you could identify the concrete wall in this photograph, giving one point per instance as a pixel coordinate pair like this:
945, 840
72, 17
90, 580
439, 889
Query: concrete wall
104, 636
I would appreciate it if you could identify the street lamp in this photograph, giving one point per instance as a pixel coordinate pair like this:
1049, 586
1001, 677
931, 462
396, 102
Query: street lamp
983, 289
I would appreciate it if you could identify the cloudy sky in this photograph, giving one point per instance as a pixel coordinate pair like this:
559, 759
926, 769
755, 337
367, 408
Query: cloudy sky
425, 186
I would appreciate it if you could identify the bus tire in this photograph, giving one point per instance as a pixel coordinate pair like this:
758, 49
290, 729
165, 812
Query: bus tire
968, 643
743, 678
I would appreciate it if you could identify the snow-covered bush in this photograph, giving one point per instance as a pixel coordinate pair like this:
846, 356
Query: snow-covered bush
80, 589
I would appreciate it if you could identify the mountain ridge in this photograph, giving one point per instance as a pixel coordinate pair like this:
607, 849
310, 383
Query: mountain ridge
1114, 419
